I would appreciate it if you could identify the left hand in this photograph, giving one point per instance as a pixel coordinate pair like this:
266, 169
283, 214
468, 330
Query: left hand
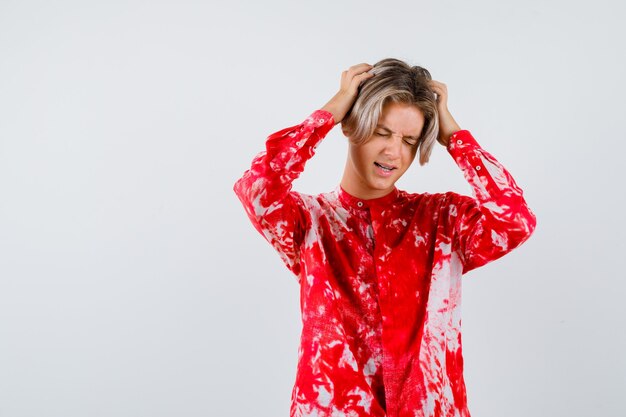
447, 125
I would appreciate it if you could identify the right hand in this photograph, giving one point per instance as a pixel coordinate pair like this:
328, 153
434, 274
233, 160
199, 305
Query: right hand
345, 97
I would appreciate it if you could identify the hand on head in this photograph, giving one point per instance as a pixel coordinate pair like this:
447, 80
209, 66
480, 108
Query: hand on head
351, 79
447, 124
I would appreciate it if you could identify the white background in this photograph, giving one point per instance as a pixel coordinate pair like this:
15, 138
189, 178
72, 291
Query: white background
133, 284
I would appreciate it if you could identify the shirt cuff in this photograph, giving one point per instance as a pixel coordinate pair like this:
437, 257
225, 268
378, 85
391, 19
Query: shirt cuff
460, 142
468, 155
322, 117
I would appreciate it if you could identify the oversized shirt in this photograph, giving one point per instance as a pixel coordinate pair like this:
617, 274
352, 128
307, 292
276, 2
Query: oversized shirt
380, 279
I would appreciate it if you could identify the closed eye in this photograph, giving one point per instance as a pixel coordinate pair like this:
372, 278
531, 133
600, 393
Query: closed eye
409, 141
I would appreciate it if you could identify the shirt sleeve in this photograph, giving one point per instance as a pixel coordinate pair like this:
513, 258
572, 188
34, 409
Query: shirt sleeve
276, 211
498, 219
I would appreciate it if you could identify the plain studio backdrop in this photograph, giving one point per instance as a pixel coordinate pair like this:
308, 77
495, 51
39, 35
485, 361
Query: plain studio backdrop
132, 282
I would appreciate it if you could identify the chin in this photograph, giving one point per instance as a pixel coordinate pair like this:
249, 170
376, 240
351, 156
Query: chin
381, 186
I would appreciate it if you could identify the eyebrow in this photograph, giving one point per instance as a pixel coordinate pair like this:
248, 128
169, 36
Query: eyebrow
381, 126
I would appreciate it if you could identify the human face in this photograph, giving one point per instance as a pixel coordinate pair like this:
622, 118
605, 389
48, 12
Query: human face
374, 166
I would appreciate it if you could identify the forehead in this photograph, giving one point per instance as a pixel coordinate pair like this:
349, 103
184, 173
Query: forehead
402, 118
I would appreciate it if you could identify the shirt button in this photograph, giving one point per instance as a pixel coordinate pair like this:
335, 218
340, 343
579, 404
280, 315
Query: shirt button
321, 120
458, 142
477, 167
360, 204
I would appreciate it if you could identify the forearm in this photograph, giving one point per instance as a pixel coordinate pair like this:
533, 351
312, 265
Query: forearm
273, 171
275, 211
498, 219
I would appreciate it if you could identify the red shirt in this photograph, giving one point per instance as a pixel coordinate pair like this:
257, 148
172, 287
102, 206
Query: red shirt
380, 279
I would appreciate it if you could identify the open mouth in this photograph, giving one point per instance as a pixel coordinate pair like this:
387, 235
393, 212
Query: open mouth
386, 168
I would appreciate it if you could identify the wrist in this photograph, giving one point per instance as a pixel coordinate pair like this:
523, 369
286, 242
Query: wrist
333, 111
339, 106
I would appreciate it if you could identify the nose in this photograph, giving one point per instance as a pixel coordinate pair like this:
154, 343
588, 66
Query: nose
393, 147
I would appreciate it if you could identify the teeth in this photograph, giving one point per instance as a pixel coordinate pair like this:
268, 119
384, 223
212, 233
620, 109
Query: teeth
383, 167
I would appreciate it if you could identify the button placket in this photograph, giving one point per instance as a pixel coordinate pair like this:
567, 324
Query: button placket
377, 225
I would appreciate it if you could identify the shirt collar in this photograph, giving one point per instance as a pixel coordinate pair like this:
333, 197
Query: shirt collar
359, 203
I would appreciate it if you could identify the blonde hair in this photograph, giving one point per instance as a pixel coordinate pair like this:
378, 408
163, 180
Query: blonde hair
393, 81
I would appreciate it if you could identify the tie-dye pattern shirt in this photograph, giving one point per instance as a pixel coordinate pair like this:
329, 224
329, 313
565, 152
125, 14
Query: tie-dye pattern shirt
380, 279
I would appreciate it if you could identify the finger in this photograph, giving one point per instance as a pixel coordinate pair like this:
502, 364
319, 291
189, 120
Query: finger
437, 89
361, 65
357, 69
364, 75
357, 80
